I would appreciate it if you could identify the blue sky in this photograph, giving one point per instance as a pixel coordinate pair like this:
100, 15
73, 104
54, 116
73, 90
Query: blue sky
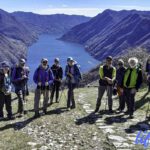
80, 7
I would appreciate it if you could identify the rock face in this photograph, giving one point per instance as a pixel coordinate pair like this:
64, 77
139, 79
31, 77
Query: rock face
14, 38
19, 30
112, 32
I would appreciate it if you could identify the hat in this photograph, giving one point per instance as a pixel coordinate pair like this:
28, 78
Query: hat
133, 61
56, 59
22, 60
69, 59
120, 61
44, 60
5, 64
109, 57
75, 62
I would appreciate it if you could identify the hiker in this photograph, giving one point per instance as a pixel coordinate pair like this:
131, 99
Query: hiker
19, 79
131, 83
107, 76
73, 77
58, 75
118, 84
148, 72
43, 77
5, 91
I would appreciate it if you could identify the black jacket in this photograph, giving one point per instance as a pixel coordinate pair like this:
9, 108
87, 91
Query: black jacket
120, 75
4, 85
147, 67
57, 72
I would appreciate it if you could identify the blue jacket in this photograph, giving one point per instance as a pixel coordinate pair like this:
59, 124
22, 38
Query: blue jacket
74, 70
43, 76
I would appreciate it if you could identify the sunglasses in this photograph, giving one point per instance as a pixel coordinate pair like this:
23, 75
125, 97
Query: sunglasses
44, 62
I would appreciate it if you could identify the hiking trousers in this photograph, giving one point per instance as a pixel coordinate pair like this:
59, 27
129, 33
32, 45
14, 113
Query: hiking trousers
5, 100
38, 93
121, 99
21, 99
55, 88
130, 100
70, 100
101, 91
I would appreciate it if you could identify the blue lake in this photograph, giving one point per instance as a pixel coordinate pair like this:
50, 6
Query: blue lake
49, 47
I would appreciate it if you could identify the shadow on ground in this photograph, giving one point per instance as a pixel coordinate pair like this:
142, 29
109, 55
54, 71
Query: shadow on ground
21, 124
140, 126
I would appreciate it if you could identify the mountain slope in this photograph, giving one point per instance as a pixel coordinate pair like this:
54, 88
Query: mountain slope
19, 30
14, 38
58, 23
112, 32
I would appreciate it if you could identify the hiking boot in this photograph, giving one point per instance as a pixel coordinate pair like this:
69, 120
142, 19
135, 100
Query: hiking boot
25, 112
11, 117
45, 111
126, 112
37, 115
73, 107
20, 115
1, 118
50, 103
57, 101
131, 116
111, 111
118, 109
96, 110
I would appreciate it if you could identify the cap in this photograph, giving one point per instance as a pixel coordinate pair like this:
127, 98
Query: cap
69, 59
120, 61
5, 64
44, 60
109, 57
56, 59
22, 60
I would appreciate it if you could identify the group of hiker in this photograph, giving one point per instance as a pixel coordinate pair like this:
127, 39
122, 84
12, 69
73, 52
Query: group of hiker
46, 79
120, 80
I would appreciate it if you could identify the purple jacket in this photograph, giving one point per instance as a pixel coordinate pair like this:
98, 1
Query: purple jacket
43, 76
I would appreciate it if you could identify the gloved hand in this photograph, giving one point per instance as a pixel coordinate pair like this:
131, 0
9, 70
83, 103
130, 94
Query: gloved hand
8, 92
46, 83
24, 77
39, 84
133, 91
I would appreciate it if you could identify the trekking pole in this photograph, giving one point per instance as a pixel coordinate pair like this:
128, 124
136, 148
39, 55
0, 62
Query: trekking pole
60, 94
106, 98
40, 97
148, 110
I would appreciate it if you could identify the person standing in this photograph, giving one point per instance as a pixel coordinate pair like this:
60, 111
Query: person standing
5, 91
58, 75
118, 84
148, 72
107, 76
131, 83
73, 77
43, 78
20, 75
